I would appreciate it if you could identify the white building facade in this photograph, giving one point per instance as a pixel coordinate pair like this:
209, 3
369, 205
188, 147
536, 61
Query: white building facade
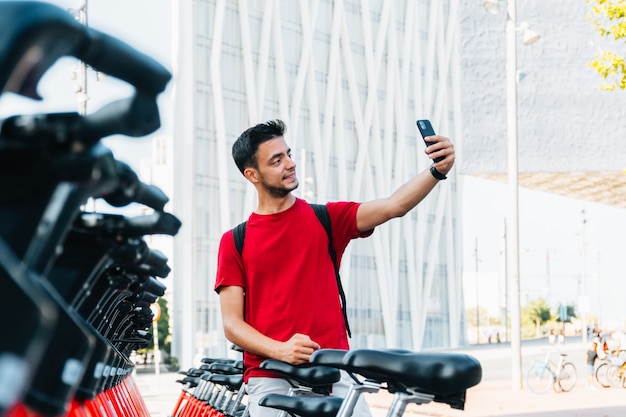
349, 78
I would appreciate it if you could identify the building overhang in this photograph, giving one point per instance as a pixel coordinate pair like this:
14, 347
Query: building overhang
600, 187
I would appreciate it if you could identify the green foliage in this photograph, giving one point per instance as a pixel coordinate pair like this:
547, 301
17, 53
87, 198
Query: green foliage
535, 314
163, 328
609, 19
571, 314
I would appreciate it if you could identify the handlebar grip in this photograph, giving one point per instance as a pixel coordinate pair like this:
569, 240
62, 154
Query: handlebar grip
134, 116
159, 222
35, 34
151, 196
153, 286
116, 58
131, 190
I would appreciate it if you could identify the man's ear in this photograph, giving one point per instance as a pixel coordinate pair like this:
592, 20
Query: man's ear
251, 175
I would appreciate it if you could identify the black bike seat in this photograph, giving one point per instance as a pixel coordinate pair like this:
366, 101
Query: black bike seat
225, 368
217, 360
446, 375
308, 374
329, 357
233, 382
303, 406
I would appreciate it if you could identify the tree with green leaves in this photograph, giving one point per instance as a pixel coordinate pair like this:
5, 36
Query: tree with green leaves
164, 335
570, 313
536, 313
609, 19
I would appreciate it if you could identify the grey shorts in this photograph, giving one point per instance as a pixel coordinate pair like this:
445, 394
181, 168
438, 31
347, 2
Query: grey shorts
259, 387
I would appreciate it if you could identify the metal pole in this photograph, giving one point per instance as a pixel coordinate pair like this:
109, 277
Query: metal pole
157, 350
507, 336
81, 89
584, 299
513, 223
477, 304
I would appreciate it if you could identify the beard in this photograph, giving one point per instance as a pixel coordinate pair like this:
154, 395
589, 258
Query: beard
278, 191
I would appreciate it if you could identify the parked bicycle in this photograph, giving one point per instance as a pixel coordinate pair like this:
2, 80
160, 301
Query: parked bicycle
611, 372
542, 375
412, 378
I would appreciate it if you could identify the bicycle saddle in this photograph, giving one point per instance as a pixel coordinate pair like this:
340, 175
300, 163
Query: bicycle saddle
233, 382
310, 375
208, 360
234, 368
445, 375
329, 357
191, 381
303, 406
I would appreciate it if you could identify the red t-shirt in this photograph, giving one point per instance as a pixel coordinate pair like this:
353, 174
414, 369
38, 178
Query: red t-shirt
288, 276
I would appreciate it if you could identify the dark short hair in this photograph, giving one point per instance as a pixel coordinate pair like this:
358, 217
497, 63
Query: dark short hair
245, 147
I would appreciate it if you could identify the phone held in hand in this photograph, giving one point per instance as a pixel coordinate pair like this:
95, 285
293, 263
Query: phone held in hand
426, 129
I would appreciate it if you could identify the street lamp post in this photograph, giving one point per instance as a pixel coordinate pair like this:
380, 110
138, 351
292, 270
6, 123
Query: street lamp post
513, 173
583, 301
477, 303
512, 234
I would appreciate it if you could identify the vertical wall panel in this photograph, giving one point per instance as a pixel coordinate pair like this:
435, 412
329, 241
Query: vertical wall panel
350, 78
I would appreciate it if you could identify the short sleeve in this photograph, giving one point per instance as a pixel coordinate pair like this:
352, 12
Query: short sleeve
230, 270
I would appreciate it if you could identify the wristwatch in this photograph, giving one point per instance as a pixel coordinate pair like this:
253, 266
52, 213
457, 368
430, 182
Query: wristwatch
438, 175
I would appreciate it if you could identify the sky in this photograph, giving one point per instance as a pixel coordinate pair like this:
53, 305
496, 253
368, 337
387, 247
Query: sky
551, 232
552, 238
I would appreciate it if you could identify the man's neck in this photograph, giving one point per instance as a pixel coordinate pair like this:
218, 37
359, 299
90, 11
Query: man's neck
271, 205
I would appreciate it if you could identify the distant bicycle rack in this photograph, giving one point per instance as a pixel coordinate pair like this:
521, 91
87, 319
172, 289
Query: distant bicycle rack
76, 285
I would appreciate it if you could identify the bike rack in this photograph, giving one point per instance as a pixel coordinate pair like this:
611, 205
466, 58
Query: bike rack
77, 286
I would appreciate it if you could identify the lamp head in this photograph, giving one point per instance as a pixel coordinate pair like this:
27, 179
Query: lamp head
530, 36
492, 6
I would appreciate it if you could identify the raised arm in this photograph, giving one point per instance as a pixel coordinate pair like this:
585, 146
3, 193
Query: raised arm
376, 212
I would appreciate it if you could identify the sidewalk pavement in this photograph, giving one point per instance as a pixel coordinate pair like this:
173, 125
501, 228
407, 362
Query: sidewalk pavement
496, 399
486, 399
492, 397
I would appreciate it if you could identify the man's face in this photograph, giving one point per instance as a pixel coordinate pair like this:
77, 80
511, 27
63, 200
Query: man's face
277, 171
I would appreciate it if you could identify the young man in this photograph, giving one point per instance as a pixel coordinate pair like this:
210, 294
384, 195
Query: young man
280, 298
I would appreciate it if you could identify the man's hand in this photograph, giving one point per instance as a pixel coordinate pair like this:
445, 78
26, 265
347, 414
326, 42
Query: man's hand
297, 350
441, 147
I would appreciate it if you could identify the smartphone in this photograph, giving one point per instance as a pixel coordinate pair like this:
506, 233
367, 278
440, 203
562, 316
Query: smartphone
426, 129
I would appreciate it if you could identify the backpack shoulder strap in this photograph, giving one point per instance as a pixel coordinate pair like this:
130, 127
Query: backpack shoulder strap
239, 234
321, 211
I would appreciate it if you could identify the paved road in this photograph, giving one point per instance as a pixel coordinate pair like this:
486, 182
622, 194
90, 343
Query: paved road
494, 396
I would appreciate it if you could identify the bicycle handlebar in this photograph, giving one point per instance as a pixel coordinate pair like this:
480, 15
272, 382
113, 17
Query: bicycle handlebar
114, 57
116, 225
45, 33
131, 190
134, 116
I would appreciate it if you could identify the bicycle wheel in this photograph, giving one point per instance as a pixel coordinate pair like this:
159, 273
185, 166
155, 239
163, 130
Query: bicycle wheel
601, 375
539, 378
567, 376
612, 376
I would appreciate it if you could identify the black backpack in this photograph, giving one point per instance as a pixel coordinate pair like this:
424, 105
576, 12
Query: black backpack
239, 234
